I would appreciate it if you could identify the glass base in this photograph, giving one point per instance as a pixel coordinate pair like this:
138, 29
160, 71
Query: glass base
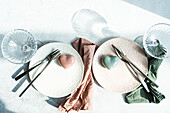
139, 40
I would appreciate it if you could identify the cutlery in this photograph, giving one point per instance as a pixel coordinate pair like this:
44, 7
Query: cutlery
139, 77
41, 62
49, 57
125, 58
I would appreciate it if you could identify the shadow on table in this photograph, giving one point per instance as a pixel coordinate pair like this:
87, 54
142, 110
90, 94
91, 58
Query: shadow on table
56, 101
43, 39
52, 101
1, 37
24, 67
46, 38
124, 96
101, 41
3, 108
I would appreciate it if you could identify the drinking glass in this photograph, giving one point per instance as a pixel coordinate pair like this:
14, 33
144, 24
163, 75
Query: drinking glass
88, 23
156, 41
18, 46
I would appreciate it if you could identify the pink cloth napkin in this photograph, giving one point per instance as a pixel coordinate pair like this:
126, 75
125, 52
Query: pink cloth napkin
82, 97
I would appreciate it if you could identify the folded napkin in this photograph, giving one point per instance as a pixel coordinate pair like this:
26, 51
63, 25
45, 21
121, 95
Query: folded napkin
82, 98
140, 95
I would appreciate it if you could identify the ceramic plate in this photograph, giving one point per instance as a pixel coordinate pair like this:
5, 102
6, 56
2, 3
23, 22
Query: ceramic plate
56, 81
119, 79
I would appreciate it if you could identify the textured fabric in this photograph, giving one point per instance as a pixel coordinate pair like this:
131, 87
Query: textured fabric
82, 98
140, 95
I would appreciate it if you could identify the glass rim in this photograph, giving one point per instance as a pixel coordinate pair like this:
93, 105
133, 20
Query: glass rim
145, 36
14, 31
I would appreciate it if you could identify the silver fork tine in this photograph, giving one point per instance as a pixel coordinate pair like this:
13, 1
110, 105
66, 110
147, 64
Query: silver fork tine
118, 54
54, 52
57, 55
51, 58
123, 52
54, 55
49, 55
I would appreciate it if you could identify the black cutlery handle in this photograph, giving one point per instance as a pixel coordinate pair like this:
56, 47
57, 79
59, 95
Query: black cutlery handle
29, 85
24, 73
34, 79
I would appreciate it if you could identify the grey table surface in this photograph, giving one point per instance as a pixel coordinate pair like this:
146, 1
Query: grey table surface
50, 21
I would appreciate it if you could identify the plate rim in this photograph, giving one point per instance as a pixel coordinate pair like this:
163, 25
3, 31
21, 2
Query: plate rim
29, 78
93, 65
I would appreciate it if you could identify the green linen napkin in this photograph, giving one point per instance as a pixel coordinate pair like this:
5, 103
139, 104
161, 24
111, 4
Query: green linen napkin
140, 95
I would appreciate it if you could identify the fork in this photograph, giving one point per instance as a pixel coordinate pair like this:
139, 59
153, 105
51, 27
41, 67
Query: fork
49, 57
139, 77
41, 62
125, 58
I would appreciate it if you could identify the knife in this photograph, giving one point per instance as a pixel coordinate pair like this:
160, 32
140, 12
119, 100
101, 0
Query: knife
127, 60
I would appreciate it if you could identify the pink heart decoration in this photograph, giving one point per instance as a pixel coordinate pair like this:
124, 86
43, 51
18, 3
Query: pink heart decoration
66, 61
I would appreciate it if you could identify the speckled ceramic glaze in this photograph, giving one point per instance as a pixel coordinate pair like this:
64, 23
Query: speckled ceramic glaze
55, 81
120, 78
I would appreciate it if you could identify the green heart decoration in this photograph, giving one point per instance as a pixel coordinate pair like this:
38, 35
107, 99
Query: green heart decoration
110, 62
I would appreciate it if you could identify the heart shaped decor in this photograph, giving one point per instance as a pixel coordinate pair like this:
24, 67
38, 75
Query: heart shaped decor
66, 61
110, 62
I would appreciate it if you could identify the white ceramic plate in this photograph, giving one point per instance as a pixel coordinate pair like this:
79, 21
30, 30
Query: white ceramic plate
120, 79
56, 81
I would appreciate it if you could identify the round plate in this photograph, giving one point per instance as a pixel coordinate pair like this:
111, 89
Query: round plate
119, 79
55, 81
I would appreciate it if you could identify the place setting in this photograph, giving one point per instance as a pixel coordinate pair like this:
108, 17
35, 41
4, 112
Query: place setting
111, 72
119, 65
64, 73
51, 61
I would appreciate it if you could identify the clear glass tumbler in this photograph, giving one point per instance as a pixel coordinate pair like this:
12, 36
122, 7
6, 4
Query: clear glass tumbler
18, 46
